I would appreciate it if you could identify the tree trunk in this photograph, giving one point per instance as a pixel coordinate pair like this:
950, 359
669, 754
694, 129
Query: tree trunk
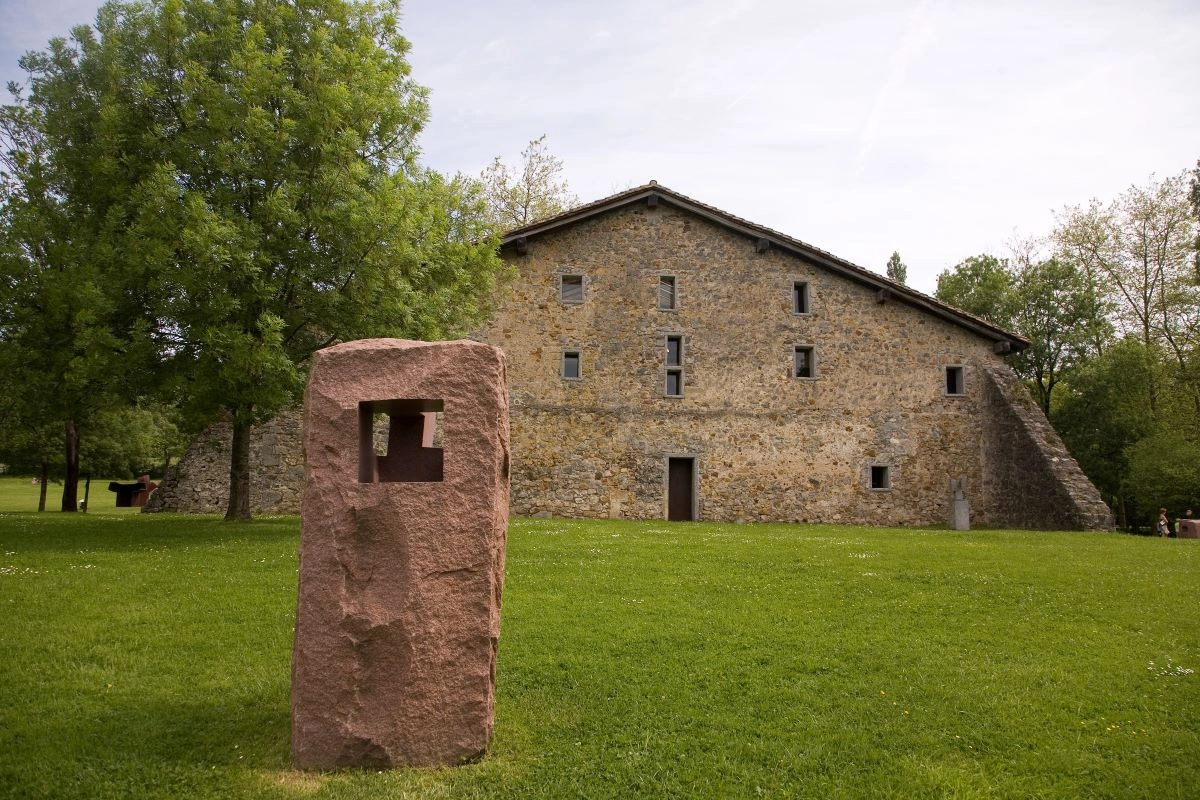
70, 495
1044, 397
239, 475
42, 489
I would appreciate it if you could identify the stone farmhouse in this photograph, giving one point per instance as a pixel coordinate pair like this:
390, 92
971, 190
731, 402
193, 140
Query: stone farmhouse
668, 360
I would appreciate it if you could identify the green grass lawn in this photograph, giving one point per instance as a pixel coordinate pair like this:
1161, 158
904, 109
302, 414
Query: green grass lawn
148, 656
21, 494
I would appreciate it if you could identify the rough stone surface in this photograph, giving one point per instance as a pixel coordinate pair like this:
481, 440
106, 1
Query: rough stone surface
962, 515
199, 483
1030, 478
767, 446
399, 608
961, 506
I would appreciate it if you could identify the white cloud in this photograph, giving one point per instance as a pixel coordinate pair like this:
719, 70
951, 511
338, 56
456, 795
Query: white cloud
861, 126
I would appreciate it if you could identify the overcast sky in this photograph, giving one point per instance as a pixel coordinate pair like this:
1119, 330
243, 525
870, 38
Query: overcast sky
936, 128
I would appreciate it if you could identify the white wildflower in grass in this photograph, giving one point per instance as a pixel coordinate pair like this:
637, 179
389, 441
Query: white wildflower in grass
1170, 670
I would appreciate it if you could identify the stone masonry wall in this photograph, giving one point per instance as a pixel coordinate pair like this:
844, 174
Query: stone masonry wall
1030, 480
199, 483
766, 445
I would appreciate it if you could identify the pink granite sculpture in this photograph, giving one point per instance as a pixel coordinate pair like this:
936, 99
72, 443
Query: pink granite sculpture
401, 555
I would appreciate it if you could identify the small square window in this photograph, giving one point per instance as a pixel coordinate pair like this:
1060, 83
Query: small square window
954, 381
571, 365
881, 477
805, 363
800, 297
666, 292
674, 383
674, 351
572, 288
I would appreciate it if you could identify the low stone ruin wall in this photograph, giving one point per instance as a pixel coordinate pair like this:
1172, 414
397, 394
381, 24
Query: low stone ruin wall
199, 483
1030, 479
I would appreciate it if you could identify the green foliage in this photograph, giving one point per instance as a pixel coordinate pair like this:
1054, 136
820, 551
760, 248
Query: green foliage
222, 187
1164, 471
636, 660
896, 269
1138, 256
1131, 408
129, 441
1102, 412
1048, 302
26, 444
71, 331
1135, 251
119, 443
289, 191
29, 438
535, 191
169, 436
1053, 308
1194, 199
981, 285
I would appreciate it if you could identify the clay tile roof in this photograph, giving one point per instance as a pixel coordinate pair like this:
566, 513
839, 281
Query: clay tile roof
889, 290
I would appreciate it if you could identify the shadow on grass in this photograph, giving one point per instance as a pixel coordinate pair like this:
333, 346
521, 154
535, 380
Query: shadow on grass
249, 730
156, 744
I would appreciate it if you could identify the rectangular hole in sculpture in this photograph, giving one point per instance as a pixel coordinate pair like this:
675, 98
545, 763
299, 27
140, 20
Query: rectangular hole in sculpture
381, 424
400, 441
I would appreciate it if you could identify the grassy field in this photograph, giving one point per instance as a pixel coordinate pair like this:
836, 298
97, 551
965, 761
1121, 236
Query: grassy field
21, 494
148, 656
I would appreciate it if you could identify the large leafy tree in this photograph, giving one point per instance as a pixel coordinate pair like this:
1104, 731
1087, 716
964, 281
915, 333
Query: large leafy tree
263, 164
1048, 301
72, 331
1053, 308
1138, 252
1100, 418
1144, 413
1113, 317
